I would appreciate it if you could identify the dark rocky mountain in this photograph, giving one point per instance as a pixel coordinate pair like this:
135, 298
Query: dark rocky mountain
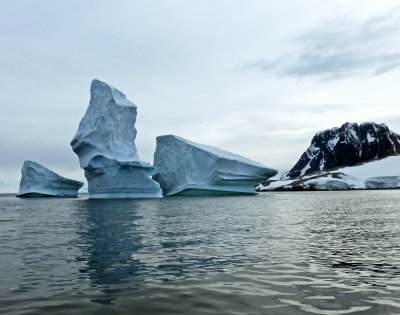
346, 146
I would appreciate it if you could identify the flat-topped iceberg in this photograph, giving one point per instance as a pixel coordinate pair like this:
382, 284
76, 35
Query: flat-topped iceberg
106, 149
382, 182
39, 181
188, 168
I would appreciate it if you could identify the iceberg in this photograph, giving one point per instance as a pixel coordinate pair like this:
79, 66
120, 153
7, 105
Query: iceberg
382, 182
327, 183
192, 169
39, 181
106, 149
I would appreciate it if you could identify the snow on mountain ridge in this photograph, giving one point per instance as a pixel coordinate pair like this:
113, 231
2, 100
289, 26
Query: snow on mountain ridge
346, 146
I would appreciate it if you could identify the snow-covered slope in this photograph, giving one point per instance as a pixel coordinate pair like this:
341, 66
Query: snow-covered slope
378, 174
105, 144
39, 181
189, 168
346, 146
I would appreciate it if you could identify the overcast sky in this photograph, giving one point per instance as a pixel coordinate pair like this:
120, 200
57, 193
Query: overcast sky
258, 78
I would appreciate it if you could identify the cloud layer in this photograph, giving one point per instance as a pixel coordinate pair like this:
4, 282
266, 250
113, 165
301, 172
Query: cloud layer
341, 49
321, 64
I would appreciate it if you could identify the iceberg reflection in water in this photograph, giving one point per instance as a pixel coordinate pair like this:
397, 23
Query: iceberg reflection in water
109, 238
285, 253
124, 247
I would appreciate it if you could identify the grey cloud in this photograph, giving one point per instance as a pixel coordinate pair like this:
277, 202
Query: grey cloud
341, 50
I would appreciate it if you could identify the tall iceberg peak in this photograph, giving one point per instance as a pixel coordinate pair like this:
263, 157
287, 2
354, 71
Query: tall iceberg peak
108, 127
105, 144
39, 181
189, 168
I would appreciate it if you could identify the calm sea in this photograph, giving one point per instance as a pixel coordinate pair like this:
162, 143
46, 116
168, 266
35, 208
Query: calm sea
276, 253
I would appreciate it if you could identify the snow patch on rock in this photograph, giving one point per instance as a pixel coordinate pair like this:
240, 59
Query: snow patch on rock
378, 174
346, 146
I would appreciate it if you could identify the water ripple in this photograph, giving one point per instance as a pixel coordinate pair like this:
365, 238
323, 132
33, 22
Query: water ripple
278, 253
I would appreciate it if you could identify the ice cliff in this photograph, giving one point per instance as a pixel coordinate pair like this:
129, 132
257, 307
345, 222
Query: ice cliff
189, 168
346, 146
106, 149
39, 181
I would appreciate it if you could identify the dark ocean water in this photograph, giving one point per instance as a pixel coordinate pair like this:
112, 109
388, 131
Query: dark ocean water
276, 253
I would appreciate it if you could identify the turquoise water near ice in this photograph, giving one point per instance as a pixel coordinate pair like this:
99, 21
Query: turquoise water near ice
275, 253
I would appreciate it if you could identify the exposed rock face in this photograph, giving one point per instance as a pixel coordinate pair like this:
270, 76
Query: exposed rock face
189, 168
105, 145
346, 146
39, 181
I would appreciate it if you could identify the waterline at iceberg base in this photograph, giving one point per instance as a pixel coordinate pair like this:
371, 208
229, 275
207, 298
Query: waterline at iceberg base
113, 179
192, 169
